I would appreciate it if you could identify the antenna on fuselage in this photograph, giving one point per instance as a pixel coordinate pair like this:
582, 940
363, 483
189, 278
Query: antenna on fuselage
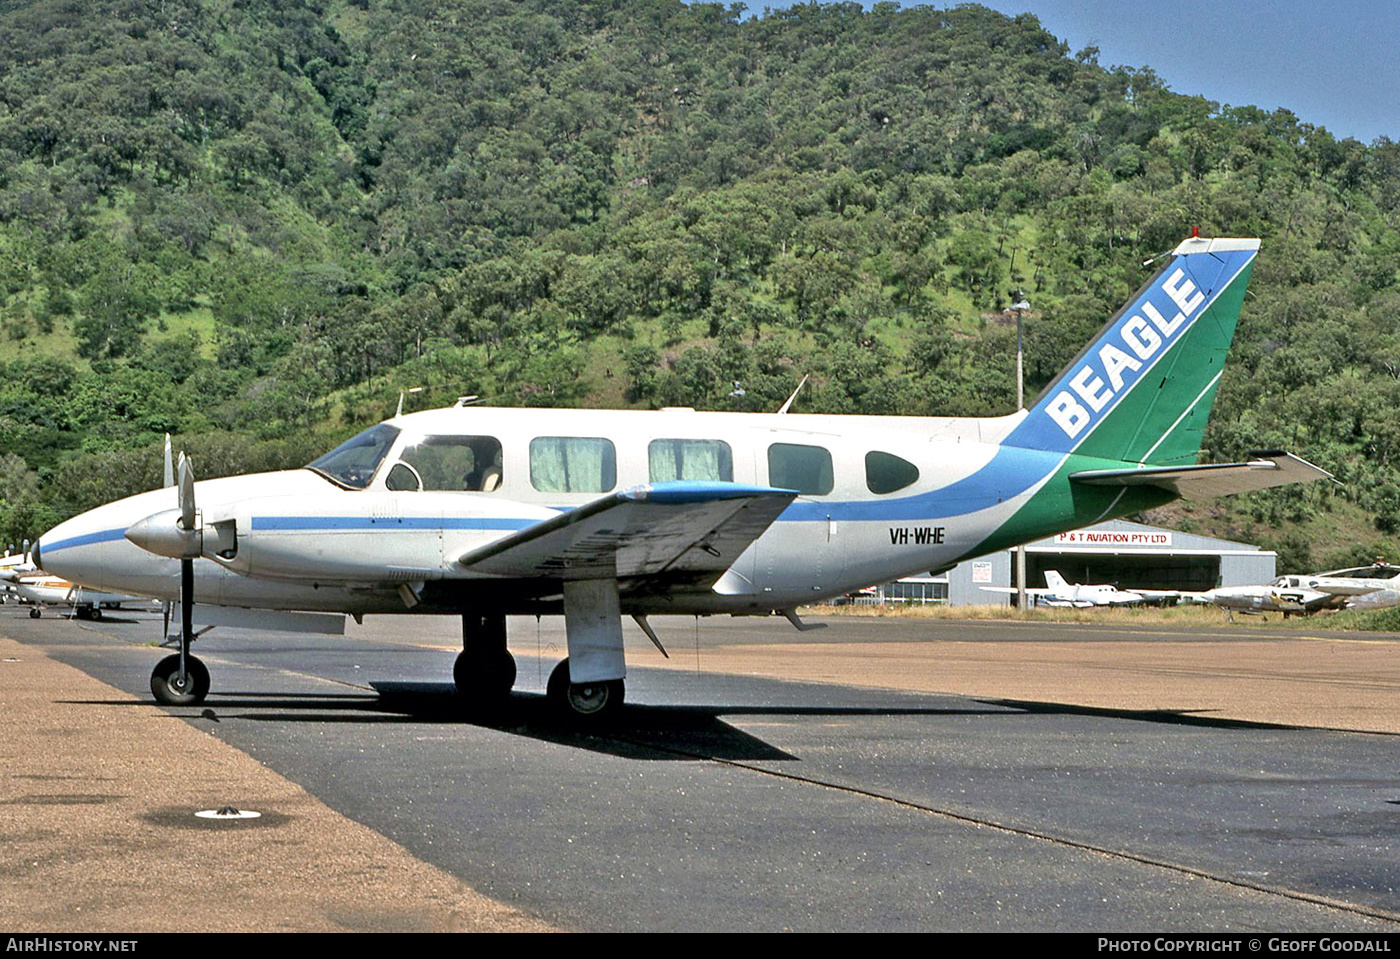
402, 393
788, 405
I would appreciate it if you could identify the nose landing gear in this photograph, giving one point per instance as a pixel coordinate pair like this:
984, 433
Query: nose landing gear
172, 689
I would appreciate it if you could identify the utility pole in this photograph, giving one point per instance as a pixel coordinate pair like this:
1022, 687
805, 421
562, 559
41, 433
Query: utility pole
1020, 306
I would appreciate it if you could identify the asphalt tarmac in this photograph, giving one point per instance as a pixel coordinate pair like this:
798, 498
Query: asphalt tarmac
877, 775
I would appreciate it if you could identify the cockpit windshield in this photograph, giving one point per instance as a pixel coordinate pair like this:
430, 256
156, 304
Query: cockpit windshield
353, 462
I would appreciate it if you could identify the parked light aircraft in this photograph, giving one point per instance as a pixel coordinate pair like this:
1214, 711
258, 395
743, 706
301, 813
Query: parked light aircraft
1276, 597
1361, 587
1057, 592
41, 590
597, 514
12, 567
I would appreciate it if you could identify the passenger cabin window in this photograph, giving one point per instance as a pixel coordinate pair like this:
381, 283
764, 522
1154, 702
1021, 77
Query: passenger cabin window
353, 462
886, 473
690, 460
806, 469
572, 464
453, 463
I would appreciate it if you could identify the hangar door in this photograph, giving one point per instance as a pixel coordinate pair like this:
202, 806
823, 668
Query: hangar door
1150, 571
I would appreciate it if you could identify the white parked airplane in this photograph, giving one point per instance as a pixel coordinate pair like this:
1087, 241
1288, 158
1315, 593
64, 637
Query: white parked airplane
41, 590
1361, 587
597, 514
1058, 592
1276, 597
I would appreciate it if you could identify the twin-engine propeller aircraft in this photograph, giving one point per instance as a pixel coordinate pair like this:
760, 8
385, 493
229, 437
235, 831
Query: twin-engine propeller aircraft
596, 514
1361, 587
1276, 597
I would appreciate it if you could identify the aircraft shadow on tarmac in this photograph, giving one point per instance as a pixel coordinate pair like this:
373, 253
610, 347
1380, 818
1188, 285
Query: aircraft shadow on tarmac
657, 733
1173, 717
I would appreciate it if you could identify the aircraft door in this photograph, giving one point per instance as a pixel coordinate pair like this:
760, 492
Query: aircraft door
801, 556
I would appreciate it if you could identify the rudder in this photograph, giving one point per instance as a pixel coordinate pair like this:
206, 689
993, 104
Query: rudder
1142, 389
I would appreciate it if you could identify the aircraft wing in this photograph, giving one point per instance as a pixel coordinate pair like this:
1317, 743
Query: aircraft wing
689, 529
1269, 468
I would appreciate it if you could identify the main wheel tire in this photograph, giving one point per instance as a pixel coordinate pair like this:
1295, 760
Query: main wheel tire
165, 681
35, 612
484, 676
592, 702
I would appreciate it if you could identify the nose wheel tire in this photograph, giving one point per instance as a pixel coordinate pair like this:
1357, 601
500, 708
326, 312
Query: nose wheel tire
592, 702
166, 685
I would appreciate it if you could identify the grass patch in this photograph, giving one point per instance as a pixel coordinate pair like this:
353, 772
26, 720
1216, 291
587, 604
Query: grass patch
1204, 617
1362, 620
1117, 616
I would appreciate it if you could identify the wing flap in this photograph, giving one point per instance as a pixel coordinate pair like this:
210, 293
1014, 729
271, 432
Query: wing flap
1268, 469
683, 528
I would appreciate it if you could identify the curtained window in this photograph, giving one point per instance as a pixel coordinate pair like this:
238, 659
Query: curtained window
572, 464
690, 460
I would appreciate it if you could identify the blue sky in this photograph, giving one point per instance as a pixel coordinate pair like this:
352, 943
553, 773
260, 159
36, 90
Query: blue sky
1334, 63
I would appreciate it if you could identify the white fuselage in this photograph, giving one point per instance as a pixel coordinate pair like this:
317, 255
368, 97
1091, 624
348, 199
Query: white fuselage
305, 542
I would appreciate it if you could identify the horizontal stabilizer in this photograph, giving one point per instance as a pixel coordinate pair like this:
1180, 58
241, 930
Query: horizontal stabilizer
1269, 469
687, 528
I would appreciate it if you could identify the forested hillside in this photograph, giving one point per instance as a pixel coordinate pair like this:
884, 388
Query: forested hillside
251, 223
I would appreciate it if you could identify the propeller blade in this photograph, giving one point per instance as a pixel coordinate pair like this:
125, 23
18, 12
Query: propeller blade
169, 464
186, 493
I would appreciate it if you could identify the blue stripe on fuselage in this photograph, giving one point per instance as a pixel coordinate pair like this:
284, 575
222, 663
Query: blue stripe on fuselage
87, 539
1011, 472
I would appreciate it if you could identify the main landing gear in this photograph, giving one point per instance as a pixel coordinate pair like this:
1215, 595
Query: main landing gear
484, 675
484, 672
587, 702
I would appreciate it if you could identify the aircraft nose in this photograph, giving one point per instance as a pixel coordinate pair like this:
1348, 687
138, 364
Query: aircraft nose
72, 549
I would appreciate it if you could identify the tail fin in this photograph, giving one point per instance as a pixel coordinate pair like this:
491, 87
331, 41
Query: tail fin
1142, 389
1056, 582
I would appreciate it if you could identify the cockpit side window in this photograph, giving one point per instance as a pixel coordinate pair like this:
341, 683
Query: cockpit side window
451, 463
353, 463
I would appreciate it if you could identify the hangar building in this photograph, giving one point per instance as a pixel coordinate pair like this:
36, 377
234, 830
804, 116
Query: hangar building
1126, 554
